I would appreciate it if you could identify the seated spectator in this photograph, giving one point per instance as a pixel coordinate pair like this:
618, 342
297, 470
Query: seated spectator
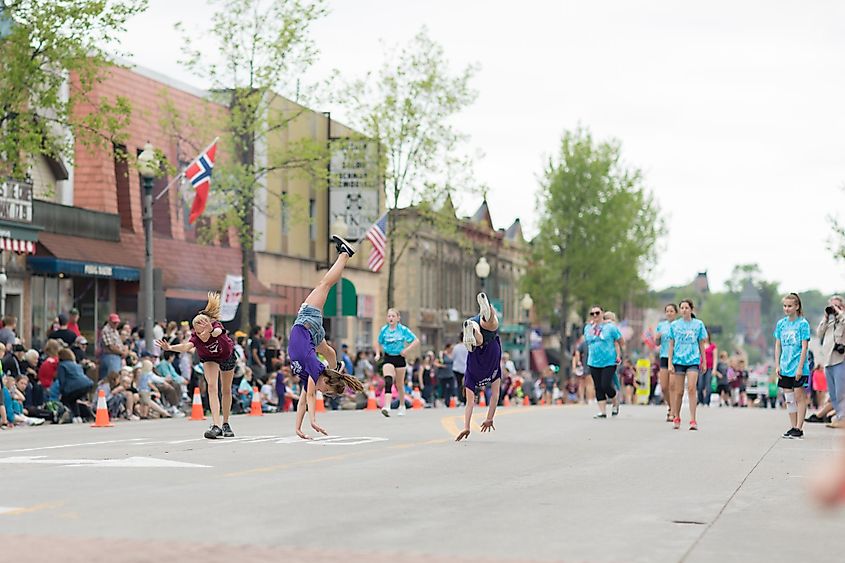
63, 333
268, 392
29, 416
245, 390
73, 384
150, 395
166, 370
47, 371
127, 387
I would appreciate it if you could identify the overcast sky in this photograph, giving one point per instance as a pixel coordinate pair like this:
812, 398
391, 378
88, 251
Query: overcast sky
733, 109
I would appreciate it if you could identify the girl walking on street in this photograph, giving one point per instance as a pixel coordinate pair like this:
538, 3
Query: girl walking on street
662, 337
792, 338
395, 341
687, 336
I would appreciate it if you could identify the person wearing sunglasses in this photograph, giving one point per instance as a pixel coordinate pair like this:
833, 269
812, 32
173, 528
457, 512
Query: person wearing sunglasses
605, 352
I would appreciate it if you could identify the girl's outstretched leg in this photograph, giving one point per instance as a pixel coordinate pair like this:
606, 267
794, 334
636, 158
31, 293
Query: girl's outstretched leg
317, 298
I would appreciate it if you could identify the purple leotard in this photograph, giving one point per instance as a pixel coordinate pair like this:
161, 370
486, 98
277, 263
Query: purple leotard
303, 357
484, 362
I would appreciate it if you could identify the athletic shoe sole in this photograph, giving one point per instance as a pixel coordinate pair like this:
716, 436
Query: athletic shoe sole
484, 306
469, 336
343, 245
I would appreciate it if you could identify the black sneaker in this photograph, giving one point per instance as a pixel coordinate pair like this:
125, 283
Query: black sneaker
814, 418
797, 434
343, 246
615, 410
793, 433
213, 433
227, 431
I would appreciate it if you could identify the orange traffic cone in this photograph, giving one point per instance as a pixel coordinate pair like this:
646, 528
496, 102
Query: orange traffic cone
453, 402
542, 401
482, 399
255, 408
417, 402
525, 401
196, 407
507, 401
102, 420
371, 399
321, 403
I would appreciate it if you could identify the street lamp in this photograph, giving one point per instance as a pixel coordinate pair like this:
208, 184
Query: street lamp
482, 270
148, 167
527, 304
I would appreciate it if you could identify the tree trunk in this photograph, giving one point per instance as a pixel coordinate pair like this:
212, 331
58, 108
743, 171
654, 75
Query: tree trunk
565, 355
244, 321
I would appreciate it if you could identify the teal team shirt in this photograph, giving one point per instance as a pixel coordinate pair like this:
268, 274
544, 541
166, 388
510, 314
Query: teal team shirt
791, 335
393, 341
601, 341
663, 331
687, 335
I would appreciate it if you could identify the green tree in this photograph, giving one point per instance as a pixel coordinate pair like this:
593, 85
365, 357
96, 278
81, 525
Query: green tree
52, 54
409, 105
598, 230
264, 48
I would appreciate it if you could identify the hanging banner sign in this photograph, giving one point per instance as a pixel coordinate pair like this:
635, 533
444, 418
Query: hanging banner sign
353, 185
230, 297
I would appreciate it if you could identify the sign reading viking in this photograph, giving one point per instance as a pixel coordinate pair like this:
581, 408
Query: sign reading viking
16, 201
353, 185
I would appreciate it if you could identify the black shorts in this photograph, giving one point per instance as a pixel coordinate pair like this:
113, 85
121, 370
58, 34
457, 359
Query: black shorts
681, 369
787, 382
225, 365
664, 363
396, 361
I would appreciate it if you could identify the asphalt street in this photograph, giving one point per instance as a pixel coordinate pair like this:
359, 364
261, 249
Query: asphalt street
550, 484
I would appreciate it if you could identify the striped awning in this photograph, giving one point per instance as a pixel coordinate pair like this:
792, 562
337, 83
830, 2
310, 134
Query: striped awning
15, 245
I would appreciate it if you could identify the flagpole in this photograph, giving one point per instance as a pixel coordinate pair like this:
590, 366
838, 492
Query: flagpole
182, 173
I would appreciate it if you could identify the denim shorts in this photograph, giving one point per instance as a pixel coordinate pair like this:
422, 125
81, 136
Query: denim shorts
311, 318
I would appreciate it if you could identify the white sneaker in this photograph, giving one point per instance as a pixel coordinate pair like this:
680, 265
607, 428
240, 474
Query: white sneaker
469, 335
402, 410
35, 421
134, 417
484, 306
385, 411
77, 420
179, 414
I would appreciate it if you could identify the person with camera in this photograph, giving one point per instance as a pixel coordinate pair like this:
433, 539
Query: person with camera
831, 332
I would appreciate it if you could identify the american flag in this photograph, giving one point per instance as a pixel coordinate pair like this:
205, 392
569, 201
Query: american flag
199, 174
377, 234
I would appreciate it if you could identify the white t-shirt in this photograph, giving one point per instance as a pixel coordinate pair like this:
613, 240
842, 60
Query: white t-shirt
459, 358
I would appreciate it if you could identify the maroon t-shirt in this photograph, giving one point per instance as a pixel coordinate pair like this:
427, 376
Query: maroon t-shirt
214, 349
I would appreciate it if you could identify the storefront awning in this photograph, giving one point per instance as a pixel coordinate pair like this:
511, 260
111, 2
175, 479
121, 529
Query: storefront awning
18, 237
54, 266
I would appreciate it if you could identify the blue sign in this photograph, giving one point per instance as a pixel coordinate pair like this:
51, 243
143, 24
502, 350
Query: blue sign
56, 266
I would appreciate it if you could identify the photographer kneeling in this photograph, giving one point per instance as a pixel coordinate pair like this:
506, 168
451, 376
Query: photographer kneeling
831, 334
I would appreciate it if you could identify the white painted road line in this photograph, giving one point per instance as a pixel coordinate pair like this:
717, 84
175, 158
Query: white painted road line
138, 462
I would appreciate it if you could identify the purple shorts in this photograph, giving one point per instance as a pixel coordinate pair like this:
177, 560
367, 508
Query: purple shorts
303, 358
483, 365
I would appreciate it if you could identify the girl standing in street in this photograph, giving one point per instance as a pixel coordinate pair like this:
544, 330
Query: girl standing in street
686, 359
605, 352
662, 338
308, 338
705, 382
481, 337
792, 338
394, 342
216, 351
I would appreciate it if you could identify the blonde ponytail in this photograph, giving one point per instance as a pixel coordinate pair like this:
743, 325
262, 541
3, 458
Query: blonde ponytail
212, 308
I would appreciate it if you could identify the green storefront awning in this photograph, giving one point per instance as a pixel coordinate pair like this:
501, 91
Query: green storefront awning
19, 231
349, 296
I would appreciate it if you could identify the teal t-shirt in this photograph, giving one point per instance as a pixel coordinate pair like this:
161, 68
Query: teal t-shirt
394, 340
663, 331
601, 339
791, 335
687, 335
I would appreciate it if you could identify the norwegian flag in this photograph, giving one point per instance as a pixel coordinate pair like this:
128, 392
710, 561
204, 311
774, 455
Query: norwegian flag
377, 234
199, 174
